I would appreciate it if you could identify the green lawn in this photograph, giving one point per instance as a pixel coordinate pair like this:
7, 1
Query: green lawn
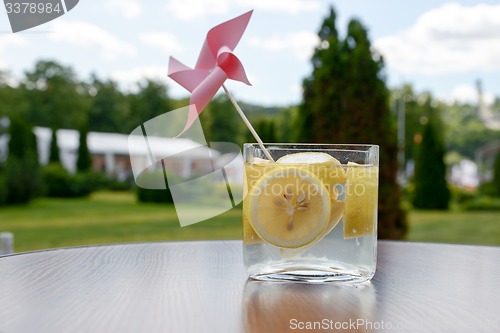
473, 227
108, 217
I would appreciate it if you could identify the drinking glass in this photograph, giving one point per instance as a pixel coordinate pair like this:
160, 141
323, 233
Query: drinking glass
310, 213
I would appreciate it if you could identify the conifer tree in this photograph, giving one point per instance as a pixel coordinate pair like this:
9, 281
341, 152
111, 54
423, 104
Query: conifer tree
345, 100
496, 175
22, 172
431, 189
54, 148
84, 161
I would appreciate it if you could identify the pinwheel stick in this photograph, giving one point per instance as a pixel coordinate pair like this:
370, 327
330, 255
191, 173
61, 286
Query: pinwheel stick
249, 125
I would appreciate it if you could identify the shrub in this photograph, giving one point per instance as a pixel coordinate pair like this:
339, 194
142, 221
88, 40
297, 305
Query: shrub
92, 180
103, 182
56, 180
483, 203
147, 195
488, 189
118, 185
22, 180
461, 196
82, 184
59, 183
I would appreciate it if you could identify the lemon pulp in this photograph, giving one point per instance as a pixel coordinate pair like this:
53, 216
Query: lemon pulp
288, 206
323, 165
253, 172
361, 200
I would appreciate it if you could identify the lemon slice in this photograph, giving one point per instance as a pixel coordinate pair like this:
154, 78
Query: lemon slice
323, 165
307, 157
288, 207
337, 211
361, 198
249, 235
257, 160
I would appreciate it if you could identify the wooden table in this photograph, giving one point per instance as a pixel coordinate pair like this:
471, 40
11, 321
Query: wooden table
202, 287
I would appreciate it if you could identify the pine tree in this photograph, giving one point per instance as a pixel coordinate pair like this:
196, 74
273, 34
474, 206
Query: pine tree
345, 100
496, 175
431, 189
22, 172
84, 161
20, 141
54, 148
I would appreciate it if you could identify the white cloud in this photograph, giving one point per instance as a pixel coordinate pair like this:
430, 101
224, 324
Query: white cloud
89, 36
297, 89
449, 39
467, 93
7, 42
300, 43
129, 9
165, 41
190, 10
287, 6
128, 78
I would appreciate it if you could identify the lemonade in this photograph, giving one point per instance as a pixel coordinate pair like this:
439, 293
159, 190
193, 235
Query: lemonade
311, 213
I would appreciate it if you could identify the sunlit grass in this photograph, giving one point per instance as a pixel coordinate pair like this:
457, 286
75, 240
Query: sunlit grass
106, 217
474, 227
116, 217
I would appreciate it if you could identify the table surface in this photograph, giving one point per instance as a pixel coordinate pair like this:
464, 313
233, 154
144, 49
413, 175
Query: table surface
202, 287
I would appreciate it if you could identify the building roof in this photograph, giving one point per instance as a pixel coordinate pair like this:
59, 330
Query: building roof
122, 144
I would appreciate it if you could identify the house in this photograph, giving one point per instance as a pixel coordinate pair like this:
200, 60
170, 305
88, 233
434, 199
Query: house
112, 152
485, 159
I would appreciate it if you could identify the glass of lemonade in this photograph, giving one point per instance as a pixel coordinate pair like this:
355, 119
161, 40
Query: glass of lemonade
310, 214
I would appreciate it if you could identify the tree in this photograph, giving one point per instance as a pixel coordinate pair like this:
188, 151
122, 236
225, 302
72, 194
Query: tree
84, 161
150, 101
266, 128
221, 122
22, 171
286, 124
405, 99
56, 98
312, 121
54, 148
12, 99
431, 189
465, 131
22, 142
109, 109
345, 100
496, 175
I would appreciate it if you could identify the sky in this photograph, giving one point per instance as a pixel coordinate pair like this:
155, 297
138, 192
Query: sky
438, 46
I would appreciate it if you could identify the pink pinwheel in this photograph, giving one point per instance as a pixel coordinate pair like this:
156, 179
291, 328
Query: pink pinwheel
215, 65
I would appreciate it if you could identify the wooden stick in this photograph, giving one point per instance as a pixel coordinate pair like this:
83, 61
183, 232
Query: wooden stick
247, 123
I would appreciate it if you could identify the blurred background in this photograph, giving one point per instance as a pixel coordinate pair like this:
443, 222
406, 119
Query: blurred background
421, 80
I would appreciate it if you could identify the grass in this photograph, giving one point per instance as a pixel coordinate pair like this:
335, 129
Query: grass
471, 227
110, 217
106, 217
